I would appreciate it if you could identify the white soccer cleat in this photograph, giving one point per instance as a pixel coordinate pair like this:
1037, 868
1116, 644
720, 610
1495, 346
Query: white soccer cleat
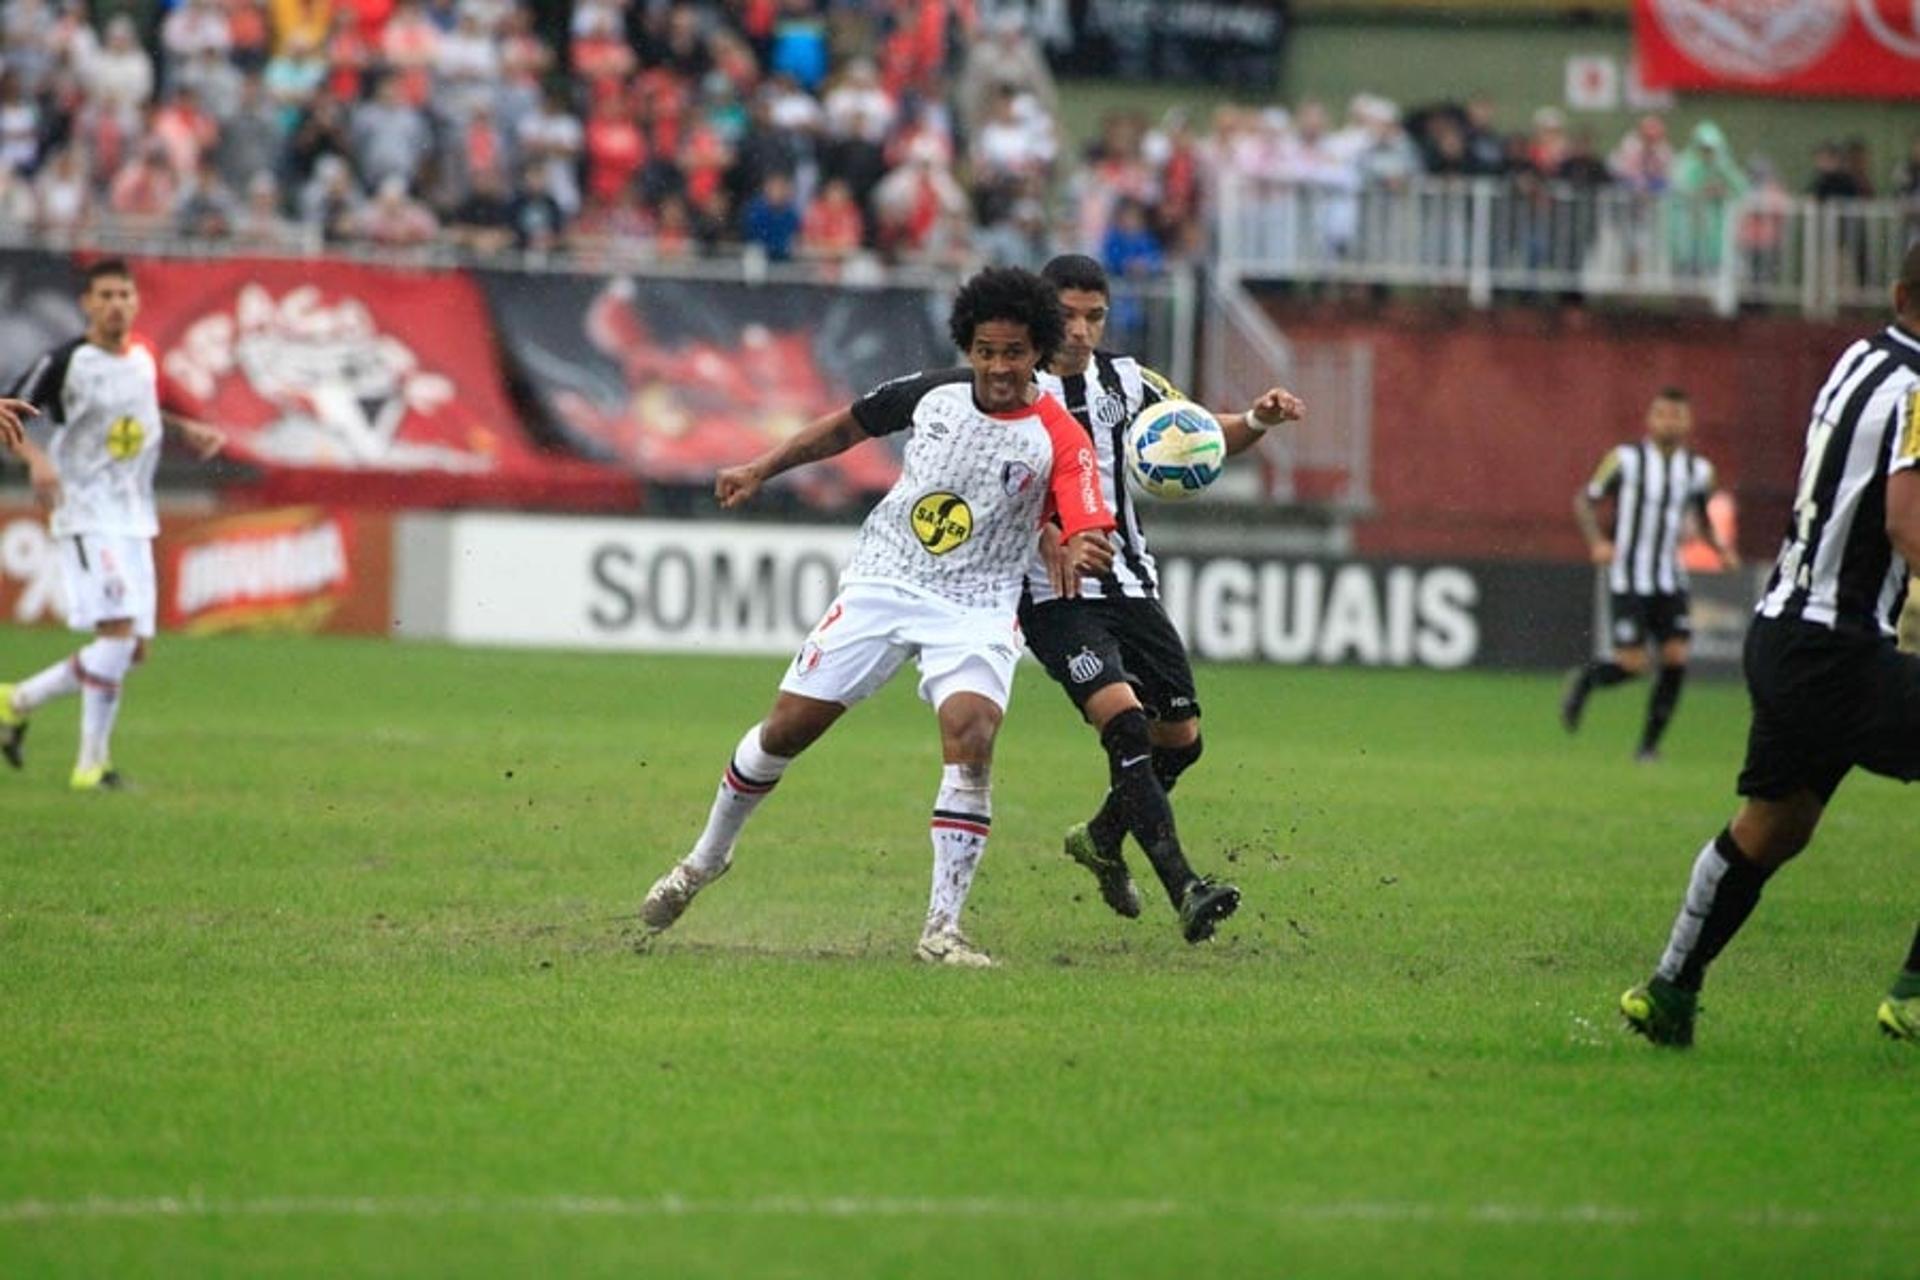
950, 946
672, 892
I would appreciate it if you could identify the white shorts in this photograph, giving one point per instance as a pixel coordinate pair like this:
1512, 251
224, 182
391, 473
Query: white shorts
107, 578
871, 628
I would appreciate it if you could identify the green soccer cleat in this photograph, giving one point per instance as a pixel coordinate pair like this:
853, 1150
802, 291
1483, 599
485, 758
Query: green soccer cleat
13, 730
1661, 1012
1204, 905
1109, 870
1900, 1018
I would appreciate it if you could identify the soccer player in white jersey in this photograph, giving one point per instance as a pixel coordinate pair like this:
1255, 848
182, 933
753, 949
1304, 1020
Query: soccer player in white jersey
1655, 484
935, 576
1830, 691
1105, 639
101, 395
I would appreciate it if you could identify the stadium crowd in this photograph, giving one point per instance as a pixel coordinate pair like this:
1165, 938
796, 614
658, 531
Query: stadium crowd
797, 128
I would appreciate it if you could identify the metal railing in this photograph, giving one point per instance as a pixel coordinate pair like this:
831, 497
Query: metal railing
1488, 236
1324, 462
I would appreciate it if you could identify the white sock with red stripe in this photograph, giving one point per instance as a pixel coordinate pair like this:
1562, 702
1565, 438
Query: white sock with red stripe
962, 817
748, 779
60, 680
103, 666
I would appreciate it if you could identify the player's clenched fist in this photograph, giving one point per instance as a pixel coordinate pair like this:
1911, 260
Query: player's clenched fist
736, 485
13, 432
1090, 553
1278, 405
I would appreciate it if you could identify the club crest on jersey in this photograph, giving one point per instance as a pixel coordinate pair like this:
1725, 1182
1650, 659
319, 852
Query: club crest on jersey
1016, 477
125, 437
1108, 411
942, 521
807, 659
1084, 666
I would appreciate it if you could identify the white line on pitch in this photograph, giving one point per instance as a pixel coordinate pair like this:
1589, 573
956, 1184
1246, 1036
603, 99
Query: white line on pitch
669, 1206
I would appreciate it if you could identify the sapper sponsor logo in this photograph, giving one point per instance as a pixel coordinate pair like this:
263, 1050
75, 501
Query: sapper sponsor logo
942, 521
271, 570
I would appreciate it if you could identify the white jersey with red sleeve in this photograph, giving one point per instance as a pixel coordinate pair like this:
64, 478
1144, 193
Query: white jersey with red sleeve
960, 522
104, 407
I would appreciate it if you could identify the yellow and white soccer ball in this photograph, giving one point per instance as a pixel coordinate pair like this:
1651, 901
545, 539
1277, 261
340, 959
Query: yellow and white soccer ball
1174, 450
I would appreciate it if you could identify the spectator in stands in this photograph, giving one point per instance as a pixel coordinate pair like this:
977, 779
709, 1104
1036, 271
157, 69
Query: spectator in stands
1131, 250
394, 219
330, 201
259, 224
390, 135
352, 56
250, 139
205, 207
118, 77
251, 39
859, 115
600, 54
1008, 56
19, 207
771, 220
1486, 149
763, 150
1763, 229
833, 228
27, 35
620, 226
539, 220
799, 46
305, 22
1020, 237
673, 235
1906, 175
552, 139
324, 130
1859, 162
194, 27
409, 43
1013, 144
483, 224
20, 126
184, 128
915, 203
64, 192
1643, 160
1708, 178
145, 190
615, 150
711, 212
1832, 179
293, 76
466, 66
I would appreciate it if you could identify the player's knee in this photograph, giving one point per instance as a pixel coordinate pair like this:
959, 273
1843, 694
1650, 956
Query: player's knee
1772, 832
1127, 739
1170, 762
968, 726
1631, 661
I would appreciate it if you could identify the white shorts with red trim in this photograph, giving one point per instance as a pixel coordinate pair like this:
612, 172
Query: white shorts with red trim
871, 628
108, 578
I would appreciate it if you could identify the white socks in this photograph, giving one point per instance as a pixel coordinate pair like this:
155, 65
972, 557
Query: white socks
103, 665
749, 778
962, 817
57, 681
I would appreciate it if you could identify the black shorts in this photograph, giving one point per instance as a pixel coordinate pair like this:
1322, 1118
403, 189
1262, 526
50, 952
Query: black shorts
1660, 618
1824, 702
1087, 645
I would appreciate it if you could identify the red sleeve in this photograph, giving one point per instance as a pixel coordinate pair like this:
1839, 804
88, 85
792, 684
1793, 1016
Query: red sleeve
1075, 483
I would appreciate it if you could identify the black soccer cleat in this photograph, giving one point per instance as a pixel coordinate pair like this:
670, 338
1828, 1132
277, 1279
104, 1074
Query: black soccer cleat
1204, 905
13, 744
1661, 1012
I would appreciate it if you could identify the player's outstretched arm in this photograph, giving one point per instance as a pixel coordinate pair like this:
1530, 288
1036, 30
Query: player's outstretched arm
43, 475
205, 439
1275, 407
13, 430
824, 438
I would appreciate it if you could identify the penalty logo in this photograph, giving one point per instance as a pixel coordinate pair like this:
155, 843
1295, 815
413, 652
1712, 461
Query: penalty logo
942, 521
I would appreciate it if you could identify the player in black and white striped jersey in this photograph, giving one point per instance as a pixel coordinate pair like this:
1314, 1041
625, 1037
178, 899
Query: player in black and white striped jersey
1656, 484
1830, 691
1105, 639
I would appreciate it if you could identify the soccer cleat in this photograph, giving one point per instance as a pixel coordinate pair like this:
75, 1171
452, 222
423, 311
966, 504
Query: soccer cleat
1573, 700
672, 892
1646, 755
1204, 905
1900, 1019
97, 779
1661, 1012
950, 947
1109, 869
13, 729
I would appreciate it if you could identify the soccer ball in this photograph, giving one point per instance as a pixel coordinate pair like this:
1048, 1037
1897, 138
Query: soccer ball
1175, 449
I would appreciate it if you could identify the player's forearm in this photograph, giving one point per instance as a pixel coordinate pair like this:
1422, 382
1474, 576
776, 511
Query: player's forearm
1584, 517
1240, 431
824, 438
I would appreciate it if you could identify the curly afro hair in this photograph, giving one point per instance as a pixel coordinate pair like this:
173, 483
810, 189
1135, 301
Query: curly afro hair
1014, 295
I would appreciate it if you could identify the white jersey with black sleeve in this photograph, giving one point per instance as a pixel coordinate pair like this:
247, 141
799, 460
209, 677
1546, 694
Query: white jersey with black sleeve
1103, 400
105, 410
1837, 568
974, 488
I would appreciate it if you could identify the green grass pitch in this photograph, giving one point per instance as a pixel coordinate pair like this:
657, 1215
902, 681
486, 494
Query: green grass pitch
349, 988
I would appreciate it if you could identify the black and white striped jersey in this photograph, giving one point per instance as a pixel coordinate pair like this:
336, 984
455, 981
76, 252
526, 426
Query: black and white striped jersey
1652, 492
1103, 400
1837, 567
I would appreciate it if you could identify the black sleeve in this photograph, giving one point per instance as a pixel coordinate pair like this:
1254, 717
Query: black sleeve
889, 407
44, 380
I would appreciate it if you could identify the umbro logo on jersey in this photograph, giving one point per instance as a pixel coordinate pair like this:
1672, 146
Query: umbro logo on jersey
1016, 477
942, 521
1084, 666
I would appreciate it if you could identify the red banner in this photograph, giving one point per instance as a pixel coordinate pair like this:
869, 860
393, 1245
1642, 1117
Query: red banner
354, 383
1800, 48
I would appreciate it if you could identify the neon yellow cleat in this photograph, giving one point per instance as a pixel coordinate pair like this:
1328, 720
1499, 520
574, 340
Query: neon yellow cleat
104, 778
1661, 1012
1900, 1019
13, 729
